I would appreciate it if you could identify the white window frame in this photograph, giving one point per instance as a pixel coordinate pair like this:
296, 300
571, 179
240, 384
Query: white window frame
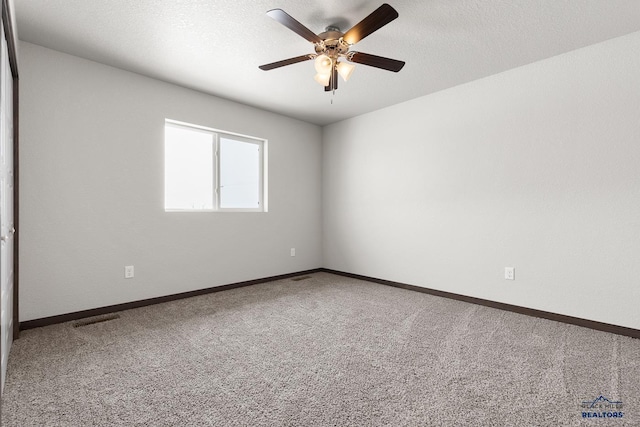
217, 133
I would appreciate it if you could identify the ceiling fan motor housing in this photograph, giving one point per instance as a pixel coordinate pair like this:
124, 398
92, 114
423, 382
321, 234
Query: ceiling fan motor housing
332, 43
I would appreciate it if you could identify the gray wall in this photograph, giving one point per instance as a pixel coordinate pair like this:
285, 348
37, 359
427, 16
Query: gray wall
92, 189
536, 168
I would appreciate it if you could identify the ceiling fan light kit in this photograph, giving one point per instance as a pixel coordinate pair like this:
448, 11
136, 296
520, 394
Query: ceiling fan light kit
333, 45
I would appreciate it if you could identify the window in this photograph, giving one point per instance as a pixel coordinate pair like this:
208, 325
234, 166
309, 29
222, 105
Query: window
210, 170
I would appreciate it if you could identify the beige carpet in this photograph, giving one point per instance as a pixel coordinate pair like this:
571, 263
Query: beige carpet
326, 351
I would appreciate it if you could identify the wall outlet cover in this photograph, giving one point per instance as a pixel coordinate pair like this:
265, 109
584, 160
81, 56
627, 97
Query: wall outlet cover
510, 273
128, 272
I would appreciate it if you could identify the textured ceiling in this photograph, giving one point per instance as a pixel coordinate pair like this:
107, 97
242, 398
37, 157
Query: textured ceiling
215, 46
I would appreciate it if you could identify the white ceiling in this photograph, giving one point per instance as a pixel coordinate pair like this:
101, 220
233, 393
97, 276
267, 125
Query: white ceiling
216, 46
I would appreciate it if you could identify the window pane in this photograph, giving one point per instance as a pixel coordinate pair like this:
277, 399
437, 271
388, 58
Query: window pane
239, 174
188, 169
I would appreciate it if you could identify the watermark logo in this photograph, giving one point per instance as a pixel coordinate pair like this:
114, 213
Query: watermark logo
602, 407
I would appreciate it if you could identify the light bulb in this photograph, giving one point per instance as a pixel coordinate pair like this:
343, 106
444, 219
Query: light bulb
345, 70
323, 64
323, 79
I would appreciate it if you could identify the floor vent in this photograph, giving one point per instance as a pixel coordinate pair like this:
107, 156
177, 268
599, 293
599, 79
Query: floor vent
297, 279
97, 319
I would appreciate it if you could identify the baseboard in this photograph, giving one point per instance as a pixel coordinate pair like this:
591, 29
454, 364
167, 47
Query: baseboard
46, 321
606, 327
592, 324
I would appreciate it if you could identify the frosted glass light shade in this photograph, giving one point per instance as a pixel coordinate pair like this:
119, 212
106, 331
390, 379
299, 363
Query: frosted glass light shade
323, 79
323, 64
345, 70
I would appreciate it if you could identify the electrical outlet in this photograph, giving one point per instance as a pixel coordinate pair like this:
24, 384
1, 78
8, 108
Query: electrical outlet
510, 273
128, 272
293, 251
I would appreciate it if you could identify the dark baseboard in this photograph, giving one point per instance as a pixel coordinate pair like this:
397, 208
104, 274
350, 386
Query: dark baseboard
45, 321
606, 327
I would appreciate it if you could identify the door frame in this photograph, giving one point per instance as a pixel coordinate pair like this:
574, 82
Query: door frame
9, 34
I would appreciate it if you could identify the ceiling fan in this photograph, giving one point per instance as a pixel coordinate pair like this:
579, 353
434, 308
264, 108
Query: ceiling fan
333, 45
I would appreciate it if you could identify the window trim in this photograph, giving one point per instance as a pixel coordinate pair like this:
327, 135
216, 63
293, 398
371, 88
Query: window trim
262, 144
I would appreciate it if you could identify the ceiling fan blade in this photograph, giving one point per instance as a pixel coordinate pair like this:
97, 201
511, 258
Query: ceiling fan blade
285, 19
376, 61
376, 20
267, 67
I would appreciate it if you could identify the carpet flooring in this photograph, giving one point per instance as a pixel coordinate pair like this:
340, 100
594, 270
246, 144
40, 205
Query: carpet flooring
325, 351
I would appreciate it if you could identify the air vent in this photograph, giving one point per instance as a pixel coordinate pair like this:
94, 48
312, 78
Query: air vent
97, 319
297, 279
